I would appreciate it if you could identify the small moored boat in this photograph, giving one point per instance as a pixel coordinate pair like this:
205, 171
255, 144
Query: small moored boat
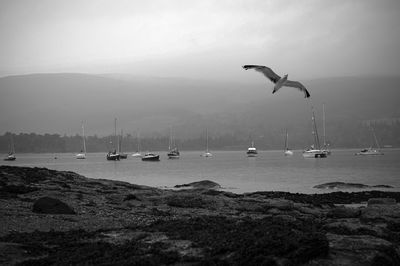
207, 153
315, 150
287, 151
11, 153
173, 149
252, 151
370, 150
10, 157
113, 156
173, 154
151, 157
82, 154
314, 153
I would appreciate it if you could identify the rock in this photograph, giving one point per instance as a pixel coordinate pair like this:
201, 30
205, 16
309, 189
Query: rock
380, 201
283, 218
382, 186
381, 213
310, 211
201, 184
343, 212
339, 185
344, 185
17, 189
131, 197
186, 200
51, 206
280, 204
354, 227
361, 250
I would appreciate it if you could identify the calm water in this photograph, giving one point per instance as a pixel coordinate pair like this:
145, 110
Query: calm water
271, 170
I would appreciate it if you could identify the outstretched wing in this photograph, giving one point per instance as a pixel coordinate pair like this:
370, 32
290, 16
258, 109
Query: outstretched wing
298, 85
266, 71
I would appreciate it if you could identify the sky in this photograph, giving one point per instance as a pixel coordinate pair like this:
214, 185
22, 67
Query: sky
204, 39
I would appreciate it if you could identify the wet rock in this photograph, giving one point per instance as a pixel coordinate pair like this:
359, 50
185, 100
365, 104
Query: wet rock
51, 206
380, 201
200, 184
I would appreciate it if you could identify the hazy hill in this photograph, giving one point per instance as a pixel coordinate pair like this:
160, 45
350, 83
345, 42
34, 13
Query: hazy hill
56, 103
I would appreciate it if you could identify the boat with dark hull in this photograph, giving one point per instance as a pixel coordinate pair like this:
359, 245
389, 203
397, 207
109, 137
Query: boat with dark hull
10, 157
151, 157
122, 155
113, 156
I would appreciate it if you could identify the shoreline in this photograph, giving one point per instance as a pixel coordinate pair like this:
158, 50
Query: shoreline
52, 217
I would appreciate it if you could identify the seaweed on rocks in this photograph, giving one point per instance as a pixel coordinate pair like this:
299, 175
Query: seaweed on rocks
79, 248
329, 199
248, 241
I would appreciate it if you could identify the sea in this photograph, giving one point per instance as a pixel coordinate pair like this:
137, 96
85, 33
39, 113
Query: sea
233, 170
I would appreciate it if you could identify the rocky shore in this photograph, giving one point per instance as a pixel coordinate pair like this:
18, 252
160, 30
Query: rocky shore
50, 217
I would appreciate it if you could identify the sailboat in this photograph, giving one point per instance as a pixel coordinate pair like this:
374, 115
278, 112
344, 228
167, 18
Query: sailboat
173, 150
207, 153
82, 154
137, 153
11, 153
114, 155
287, 151
252, 151
121, 154
370, 150
325, 145
315, 150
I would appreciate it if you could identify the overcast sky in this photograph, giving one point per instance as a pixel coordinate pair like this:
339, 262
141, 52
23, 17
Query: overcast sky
200, 39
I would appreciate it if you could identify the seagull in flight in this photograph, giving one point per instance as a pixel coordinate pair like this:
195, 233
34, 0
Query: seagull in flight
279, 82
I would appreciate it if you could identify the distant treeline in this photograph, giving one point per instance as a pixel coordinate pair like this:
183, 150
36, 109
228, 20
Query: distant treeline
342, 136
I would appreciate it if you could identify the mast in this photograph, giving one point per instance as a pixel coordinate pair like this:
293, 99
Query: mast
207, 140
170, 138
83, 136
376, 140
286, 140
138, 141
12, 148
115, 135
323, 123
316, 138
120, 142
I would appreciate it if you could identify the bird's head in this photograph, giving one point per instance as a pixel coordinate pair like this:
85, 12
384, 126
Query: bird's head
285, 76
245, 67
